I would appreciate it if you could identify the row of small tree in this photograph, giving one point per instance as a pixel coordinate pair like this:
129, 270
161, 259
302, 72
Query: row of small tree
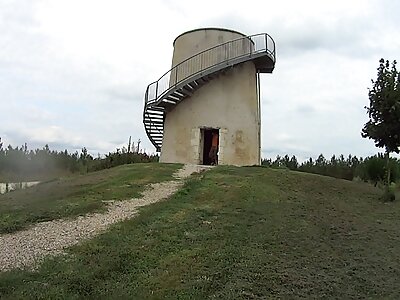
372, 169
21, 163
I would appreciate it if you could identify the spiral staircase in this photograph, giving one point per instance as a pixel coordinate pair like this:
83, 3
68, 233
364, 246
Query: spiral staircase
186, 77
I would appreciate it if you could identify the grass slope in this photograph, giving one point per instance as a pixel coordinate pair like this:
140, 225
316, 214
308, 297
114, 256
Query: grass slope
80, 194
236, 233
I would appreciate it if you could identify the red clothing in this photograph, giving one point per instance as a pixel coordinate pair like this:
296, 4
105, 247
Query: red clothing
214, 142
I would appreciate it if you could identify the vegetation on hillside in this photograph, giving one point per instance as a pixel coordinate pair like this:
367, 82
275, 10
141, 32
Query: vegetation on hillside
21, 163
235, 233
371, 169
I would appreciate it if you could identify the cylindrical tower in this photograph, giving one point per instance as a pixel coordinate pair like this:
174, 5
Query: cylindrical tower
214, 77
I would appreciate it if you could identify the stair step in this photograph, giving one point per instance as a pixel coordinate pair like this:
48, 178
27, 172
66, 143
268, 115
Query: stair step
169, 101
155, 122
191, 86
151, 114
152, 107
178, 94
158, 121
173, 97
155, 128
158, 112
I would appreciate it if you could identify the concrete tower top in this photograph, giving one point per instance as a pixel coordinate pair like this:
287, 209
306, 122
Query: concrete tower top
209, 29
194, 41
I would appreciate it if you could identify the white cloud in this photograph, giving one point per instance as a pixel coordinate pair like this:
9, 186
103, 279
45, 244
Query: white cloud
73, 73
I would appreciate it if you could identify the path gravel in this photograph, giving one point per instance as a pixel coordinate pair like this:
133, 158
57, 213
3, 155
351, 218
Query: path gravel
26, 248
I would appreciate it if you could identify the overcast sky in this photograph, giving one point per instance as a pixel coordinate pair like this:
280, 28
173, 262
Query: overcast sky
73, 72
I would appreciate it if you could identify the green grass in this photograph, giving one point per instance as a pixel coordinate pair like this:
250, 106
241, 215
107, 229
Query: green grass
76, 195
235, 233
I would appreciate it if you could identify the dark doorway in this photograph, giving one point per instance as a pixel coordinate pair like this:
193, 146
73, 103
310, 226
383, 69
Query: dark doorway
207, 135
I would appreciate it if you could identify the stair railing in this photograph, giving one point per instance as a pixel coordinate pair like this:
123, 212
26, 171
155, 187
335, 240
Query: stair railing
221, 54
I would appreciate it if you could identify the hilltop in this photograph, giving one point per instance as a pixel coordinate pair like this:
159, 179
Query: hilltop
236, 233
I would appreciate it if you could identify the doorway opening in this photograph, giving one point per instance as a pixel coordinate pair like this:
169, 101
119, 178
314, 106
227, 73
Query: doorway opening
206, 144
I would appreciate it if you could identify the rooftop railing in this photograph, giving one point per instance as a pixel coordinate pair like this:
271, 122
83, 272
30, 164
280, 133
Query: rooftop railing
225, 53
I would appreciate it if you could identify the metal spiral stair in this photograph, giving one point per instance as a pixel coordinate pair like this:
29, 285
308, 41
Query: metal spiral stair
186, 77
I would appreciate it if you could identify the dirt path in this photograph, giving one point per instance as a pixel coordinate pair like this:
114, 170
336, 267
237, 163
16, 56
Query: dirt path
25, 248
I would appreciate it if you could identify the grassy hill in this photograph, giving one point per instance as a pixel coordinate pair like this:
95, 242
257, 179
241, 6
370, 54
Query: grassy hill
236, 233
77, 194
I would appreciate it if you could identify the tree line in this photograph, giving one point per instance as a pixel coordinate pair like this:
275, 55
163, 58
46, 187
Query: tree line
21, 163
371, 169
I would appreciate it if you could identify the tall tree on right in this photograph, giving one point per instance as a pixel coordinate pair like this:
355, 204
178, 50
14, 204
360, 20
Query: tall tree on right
384, 111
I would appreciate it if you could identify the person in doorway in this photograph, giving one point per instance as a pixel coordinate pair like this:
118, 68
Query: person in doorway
214, 149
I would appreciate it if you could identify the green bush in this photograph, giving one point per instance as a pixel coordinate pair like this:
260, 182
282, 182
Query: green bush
388, 195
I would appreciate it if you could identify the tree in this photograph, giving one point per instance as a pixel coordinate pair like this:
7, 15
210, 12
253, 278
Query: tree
294, 164
384, 111
320, 162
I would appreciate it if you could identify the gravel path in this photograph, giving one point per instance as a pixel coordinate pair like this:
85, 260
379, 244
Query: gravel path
25, 248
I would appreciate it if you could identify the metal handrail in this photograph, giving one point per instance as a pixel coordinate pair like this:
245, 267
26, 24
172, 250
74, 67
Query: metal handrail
209, 58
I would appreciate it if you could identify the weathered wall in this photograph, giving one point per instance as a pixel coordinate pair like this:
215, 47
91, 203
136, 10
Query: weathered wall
228, 102
194, 42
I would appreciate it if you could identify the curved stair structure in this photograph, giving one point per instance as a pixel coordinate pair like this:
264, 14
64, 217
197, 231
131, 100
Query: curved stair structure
189, 75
